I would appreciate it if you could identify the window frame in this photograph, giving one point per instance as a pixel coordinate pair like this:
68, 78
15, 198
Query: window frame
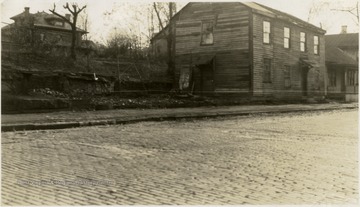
42, 37
267, 67
317, 45
351, 79
287, 76
202, 33
303, 42
287, 38
268, 33
332, 78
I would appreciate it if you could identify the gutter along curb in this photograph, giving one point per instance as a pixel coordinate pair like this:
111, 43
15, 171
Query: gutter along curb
163, 117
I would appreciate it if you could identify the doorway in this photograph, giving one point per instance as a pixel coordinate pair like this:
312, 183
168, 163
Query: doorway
304, 80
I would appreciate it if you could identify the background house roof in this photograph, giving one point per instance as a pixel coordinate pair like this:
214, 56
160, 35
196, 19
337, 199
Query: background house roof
334, 45
343, 40
338, 56
42, 19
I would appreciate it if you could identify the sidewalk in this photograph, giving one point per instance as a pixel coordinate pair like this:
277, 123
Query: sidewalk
61, 120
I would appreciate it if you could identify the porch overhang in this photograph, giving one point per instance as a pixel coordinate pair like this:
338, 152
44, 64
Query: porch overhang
308, 64
203, 60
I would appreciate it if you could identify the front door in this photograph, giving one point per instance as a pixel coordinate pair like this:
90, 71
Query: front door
304, 80
207, 78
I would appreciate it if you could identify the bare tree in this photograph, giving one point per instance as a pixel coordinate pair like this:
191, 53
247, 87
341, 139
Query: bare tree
84, 23
354, 11
75, 12
169, 9
325, 11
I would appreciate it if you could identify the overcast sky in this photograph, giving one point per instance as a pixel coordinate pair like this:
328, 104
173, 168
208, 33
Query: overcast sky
105, 16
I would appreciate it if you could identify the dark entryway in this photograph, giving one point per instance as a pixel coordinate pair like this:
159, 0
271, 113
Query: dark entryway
206, 78
304, 80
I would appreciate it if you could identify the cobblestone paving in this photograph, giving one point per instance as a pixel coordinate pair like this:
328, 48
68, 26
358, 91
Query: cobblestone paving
308, 158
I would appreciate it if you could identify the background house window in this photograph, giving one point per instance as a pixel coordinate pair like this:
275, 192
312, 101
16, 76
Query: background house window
59, 24
287, 78
316, 45
266, 32
332, 78
286, 37
267, 70
302, 41
207, 37
42, 37
351, 78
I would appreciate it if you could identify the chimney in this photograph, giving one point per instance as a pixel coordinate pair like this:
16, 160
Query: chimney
67, 16
344, 29
27, 10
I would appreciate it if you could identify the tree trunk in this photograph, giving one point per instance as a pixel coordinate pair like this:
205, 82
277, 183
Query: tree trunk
170, 48
73, 43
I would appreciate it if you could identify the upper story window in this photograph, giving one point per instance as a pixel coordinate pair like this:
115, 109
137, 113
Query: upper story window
286, 37
266, 32
302, 41
316, 45
207, 36
58, 23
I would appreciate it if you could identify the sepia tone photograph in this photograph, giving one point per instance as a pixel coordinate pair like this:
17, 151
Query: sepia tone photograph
179, 103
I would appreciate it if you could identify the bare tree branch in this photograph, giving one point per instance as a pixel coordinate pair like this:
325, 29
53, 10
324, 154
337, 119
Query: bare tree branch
351, 11
59, 15
75, 12
158, 16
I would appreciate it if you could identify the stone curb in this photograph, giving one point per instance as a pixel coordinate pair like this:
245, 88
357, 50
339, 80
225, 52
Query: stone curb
168, 117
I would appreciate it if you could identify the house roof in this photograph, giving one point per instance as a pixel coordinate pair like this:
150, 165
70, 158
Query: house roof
338, 56
259, 8
343, 40
41, 19
281, 15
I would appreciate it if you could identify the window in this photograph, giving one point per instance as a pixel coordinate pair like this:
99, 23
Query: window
59, 24
267, 70
286, 37
287, 79
302, 41
351, 78
207, 37
316, 45
42, 37
332, 78
266, 32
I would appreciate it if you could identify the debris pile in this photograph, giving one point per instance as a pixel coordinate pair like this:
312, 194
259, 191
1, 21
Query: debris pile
48, 92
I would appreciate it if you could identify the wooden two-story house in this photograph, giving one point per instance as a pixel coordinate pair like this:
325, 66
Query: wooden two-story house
41, 28
246, 49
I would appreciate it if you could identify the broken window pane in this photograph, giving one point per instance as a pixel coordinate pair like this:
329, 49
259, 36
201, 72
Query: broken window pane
207, 37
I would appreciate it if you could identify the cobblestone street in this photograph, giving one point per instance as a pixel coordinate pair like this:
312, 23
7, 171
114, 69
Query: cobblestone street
294, 158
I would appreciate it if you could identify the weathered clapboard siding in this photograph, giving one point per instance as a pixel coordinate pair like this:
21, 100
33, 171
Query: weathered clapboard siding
238, 50
282, 57
230, 48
